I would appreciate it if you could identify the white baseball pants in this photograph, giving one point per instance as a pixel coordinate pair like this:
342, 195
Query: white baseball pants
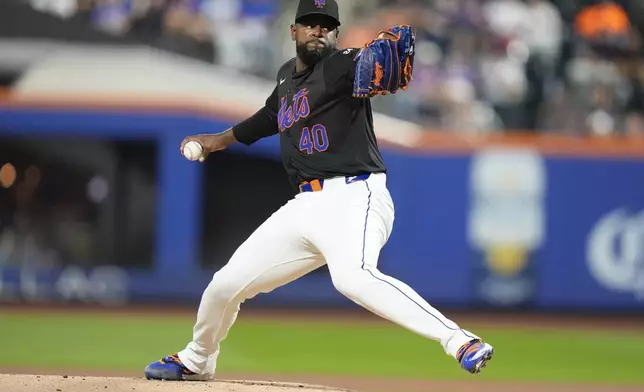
344, 225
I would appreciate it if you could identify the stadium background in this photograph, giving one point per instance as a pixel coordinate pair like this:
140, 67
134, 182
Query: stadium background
516, 164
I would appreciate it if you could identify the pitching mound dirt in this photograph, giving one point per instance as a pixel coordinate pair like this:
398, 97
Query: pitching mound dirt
35, 383
27, 382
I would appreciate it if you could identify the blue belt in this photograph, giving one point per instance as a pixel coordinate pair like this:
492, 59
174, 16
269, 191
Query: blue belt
318, 185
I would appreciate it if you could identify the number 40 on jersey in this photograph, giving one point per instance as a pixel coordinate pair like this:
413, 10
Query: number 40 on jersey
315, 139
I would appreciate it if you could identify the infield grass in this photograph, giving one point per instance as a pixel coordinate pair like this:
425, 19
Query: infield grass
129, 343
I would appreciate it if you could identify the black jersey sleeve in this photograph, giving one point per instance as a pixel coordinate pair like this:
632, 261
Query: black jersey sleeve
340, 71
261, 124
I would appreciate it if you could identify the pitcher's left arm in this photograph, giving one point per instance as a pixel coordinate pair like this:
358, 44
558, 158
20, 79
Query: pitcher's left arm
386, 64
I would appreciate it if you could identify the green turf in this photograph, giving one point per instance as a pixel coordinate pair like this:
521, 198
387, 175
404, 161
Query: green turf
129, 343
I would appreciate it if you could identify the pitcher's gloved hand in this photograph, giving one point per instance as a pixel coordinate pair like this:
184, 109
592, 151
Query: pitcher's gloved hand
386, 64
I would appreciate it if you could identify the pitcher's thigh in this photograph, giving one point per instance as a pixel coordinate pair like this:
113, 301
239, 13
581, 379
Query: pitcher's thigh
356, 232
274, 254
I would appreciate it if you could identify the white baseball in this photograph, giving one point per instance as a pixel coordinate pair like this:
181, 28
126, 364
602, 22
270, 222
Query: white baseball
192, 150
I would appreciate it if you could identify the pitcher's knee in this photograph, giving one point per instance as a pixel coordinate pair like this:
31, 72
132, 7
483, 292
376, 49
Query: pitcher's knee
349, 285
223, 289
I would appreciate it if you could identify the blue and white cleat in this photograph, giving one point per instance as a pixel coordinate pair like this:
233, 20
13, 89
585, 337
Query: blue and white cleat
474, 355
171, 368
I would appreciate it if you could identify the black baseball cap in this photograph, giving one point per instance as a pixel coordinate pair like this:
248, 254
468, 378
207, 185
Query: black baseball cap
318, 7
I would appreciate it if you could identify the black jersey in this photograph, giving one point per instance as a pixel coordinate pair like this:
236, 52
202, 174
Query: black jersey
324, 131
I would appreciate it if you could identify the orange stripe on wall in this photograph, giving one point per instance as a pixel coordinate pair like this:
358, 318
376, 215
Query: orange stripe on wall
431, 141
5, 94
547, 144
122, 104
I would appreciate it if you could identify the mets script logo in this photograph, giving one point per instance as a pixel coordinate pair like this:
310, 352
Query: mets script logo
289, 115
320, 3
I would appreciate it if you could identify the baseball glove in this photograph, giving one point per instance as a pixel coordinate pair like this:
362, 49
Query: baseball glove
385, 65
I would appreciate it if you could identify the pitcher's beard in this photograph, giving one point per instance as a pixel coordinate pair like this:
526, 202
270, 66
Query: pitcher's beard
311, 57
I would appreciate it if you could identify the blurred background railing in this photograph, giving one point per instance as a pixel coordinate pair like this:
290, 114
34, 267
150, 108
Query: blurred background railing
516, 156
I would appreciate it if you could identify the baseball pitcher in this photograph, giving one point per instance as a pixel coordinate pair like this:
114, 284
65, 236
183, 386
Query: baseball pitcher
342, 213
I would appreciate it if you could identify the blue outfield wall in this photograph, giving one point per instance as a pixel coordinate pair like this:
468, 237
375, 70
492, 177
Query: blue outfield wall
580, 222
